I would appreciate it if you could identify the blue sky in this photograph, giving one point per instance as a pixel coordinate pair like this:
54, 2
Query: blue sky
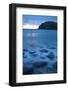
37, 20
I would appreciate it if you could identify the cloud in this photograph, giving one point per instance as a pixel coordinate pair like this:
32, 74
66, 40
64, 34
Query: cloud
30, 26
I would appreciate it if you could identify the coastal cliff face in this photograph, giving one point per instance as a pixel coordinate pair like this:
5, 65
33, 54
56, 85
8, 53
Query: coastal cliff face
48, 25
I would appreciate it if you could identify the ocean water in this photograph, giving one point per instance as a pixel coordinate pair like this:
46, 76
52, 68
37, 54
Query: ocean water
39, 51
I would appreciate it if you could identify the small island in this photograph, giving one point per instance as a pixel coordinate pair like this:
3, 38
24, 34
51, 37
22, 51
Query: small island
48, 25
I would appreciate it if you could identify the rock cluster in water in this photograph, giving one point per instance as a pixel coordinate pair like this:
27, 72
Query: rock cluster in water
45, 63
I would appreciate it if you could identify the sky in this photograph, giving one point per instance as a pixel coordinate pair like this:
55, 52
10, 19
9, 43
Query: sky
33, 21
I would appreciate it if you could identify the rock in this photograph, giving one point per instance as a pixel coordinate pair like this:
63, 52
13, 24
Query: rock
50, 70
24, 55
42, 57
27, 70
34, 55
53, 48
43, 50
32, 52
25, 50
55, 65
48, 25
51, 55
40, 64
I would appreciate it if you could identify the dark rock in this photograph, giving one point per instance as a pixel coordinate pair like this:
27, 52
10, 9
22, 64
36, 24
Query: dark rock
43, 50
51, 70
42, 57
32, 52
27, 70
40, 47
25, 50
34, 55
51, 55
55, 65
40, 64
53, 48
24, 55
48, 25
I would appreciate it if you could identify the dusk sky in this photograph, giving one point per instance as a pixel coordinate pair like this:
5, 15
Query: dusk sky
36, 20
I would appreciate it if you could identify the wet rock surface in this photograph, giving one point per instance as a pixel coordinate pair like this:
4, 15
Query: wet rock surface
43, 50
42, 57
25, 50
40, 61
27, 70
39, 64
51, 56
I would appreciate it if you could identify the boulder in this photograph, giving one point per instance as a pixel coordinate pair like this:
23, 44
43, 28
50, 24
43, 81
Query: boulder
33, 53
40, 64
51, 56
25, 50
42, 57
27, 70
24, 55
43, 50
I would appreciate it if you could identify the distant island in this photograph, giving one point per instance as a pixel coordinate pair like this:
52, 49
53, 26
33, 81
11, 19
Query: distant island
48, 25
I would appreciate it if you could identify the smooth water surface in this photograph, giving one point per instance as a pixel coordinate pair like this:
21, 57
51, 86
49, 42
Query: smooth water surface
39, 51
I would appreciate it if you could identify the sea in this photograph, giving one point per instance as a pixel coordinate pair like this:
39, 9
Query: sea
39, 51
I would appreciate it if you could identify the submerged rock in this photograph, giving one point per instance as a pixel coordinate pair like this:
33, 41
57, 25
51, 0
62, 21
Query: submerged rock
34, 55
51, 55
42, 57
24, 55
53, 48
55, 65
25, 50
40, 64
32, 52
27, 70
43, 50
51, 70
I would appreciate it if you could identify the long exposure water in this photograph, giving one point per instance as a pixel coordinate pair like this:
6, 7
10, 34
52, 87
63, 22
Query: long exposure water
39, 51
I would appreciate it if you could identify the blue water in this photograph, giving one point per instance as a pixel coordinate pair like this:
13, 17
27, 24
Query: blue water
39, 51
